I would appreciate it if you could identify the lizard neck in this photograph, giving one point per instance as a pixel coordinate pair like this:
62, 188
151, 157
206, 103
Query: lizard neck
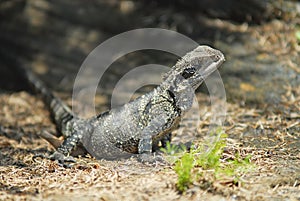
180, 91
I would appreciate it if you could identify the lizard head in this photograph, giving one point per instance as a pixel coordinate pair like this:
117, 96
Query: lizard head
190, 71
195, 67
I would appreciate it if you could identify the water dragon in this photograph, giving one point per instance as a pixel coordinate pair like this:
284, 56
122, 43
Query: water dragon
138, 126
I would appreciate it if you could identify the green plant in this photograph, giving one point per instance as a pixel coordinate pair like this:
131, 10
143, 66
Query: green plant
206, 157
184, 163
297, 33
237, 166
172, 149
173, 152
183, 168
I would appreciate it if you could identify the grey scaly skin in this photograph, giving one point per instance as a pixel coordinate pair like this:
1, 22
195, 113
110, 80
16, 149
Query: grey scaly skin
138, 126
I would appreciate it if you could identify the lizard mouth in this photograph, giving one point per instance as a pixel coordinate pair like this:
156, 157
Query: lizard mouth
213, 66
203, 72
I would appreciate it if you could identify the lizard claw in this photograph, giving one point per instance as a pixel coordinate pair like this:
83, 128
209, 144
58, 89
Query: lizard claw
64, 161
39, 156
152, 159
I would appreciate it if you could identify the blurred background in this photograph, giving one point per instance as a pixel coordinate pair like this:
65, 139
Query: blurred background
260, 39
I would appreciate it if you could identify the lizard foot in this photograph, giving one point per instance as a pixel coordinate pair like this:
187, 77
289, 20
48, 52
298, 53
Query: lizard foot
62, 160
151, 158
39, 156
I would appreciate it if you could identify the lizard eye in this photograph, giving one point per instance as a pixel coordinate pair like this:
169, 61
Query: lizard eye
188, 72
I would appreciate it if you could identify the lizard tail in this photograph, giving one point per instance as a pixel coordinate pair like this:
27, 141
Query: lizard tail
60, 112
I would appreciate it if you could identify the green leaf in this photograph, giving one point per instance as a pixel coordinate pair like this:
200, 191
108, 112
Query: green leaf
298, 35
183, 168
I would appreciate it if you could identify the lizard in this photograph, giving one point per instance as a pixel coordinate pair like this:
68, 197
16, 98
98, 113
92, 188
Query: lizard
136, 127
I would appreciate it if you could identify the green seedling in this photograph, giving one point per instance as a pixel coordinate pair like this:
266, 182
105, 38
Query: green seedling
206, 157
183, 168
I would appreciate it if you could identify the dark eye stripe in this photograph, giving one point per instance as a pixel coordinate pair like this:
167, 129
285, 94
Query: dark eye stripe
188, 72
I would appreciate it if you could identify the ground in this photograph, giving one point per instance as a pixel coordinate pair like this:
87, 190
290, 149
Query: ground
261, 78
271, 139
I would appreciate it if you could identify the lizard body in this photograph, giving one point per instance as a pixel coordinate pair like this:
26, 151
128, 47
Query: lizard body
138, 126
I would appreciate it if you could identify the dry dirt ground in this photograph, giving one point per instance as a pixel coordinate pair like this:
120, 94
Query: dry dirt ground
269, 132
272, 140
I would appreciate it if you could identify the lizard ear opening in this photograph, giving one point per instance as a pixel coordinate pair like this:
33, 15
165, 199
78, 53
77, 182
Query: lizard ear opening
188, 72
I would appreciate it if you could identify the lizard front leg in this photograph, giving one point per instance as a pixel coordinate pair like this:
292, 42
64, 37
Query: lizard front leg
155, 127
